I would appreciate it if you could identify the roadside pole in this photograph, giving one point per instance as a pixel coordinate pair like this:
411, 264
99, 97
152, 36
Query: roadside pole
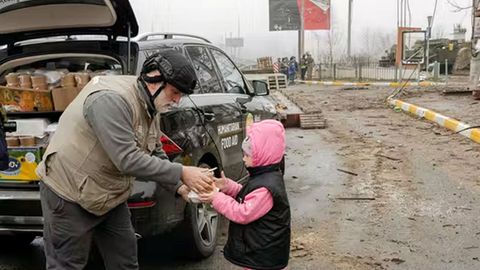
349, 40
301, 34
429, 34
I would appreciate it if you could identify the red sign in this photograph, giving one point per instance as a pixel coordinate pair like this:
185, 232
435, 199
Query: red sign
316, 15
285, 14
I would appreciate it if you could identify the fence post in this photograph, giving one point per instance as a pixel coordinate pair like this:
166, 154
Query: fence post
436, 70
320, 71
360, 72
334, 71
418, 72
400, 72
446, 69
356, 71
396, 73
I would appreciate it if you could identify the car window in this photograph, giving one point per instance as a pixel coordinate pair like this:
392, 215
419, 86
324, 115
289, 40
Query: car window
142, 56
232, 78
207, 78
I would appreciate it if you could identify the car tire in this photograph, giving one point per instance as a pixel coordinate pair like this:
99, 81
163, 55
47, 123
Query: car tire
202, 221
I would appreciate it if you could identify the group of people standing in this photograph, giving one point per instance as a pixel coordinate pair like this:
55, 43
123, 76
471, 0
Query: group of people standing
291, 67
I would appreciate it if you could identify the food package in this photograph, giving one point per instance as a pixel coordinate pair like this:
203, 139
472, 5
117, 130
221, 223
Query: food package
27, 141
22, 165
82, 79
12, 80
26, 99
63, 96
12, 141
25, 81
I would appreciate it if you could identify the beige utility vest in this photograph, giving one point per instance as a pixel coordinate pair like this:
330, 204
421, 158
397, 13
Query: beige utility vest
76, 166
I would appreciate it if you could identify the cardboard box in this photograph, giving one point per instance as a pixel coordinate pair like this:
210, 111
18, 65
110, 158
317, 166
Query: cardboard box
63, 96
27, 100
22, 165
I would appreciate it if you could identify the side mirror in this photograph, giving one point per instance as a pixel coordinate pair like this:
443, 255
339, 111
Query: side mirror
261, 88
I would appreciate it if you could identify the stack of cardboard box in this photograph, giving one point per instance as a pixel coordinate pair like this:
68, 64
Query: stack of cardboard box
27, 93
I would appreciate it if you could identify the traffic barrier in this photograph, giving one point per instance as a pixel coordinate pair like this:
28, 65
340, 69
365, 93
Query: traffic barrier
444, 121
388, 84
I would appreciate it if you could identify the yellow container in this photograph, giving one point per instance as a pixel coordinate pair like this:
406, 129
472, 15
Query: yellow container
22, 165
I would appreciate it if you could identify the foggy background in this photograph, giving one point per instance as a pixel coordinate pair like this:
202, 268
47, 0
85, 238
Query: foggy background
373, 25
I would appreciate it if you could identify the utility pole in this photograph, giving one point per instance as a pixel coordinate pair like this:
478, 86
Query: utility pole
301, 36
429, 34
349, 40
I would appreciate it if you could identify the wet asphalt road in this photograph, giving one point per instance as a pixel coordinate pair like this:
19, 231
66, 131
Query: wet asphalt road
422, 218
159, 254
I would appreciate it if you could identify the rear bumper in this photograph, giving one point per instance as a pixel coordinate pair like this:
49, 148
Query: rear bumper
20, 212
161, 211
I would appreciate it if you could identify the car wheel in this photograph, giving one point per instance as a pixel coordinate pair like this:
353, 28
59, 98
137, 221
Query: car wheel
202, 220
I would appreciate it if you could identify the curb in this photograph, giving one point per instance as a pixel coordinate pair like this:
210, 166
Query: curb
444, 121
389, 84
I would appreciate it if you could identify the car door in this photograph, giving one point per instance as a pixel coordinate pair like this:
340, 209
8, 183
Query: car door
236, 87
254, 107
222, 117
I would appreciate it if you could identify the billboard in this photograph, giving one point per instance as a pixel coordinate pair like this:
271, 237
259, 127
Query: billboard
285, 14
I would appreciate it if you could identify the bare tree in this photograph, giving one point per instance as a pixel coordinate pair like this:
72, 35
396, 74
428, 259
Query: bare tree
374, 43
330, 45
457, 7
386, 40
439, 31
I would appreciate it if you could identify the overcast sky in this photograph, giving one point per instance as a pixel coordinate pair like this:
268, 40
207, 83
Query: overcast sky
217, 19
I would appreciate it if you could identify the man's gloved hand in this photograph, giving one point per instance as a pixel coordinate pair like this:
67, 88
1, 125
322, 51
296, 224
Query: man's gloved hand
197, 179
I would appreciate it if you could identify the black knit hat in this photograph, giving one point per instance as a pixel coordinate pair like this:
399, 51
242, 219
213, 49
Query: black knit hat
174, 68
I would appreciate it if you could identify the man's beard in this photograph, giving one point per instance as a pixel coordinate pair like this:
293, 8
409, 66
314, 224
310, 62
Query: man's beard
162, 105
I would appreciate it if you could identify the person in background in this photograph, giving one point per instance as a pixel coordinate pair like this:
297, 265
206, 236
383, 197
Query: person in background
310, 63
259, 211
292, 69
108, 136
284, 66
303, 66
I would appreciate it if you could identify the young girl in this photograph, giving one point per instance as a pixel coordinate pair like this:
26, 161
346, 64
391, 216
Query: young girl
259, 212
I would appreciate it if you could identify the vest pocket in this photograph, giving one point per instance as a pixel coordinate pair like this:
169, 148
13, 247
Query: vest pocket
93, 197
42, 169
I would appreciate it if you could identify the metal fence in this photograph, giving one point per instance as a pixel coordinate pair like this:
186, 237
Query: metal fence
363, 72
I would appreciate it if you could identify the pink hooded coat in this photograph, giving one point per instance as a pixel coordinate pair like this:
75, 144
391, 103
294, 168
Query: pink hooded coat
267, 140
267, 146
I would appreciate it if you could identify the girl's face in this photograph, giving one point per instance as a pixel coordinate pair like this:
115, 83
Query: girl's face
248, 160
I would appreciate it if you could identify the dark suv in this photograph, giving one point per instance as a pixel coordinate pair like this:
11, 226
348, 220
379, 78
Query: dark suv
205, 130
